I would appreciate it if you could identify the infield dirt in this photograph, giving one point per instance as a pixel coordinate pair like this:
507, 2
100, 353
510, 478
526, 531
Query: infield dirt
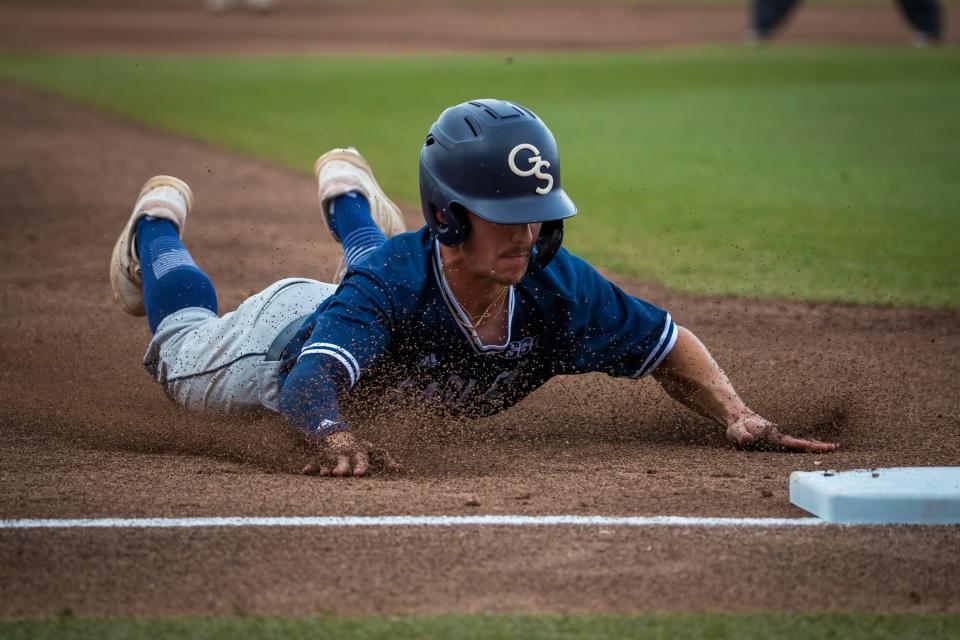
87, 434
424, 26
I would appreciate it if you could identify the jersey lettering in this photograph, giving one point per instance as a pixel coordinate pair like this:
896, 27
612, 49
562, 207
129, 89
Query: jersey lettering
522, 347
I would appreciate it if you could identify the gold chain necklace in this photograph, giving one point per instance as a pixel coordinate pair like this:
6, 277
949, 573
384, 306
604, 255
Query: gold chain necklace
476, 320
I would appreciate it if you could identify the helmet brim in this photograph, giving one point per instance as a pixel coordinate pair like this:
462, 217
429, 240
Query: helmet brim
556, 205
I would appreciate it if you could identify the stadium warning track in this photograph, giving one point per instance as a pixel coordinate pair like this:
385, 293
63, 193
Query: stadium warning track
408, 521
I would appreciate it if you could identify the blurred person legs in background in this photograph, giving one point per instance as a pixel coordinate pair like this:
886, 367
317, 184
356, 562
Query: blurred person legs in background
767, 16
925, 16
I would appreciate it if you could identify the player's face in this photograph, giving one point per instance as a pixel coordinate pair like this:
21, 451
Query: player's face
499, 252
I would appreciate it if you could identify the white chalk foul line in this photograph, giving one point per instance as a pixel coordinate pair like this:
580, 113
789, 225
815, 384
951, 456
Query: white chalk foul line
409, 521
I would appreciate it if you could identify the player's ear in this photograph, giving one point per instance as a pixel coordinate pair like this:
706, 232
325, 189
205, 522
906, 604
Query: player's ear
441, 217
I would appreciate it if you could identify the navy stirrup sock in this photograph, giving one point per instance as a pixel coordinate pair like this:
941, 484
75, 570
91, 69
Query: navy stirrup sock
349, 215
171, 279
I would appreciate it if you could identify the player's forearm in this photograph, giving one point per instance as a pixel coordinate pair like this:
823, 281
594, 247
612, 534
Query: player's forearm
692, 377
309, 398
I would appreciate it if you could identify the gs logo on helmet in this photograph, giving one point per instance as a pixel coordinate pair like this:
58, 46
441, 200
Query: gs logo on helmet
538, 164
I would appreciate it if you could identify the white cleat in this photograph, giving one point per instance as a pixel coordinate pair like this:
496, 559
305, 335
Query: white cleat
340, 171
163, 197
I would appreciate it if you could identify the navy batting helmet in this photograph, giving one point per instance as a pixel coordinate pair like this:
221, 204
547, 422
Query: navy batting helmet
498, 161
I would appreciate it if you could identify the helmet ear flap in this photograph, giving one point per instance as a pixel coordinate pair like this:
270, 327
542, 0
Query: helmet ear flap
458, 224
549, 241
455, 226
454, 229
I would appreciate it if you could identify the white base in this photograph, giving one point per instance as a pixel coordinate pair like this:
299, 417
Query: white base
904, 495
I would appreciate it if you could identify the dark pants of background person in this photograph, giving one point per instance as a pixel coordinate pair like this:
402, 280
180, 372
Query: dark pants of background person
925, 16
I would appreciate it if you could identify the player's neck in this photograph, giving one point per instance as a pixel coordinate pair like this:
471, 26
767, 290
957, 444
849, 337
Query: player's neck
485, 300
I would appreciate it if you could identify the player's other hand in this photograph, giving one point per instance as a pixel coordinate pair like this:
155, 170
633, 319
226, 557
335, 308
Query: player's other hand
343, 454
756, 432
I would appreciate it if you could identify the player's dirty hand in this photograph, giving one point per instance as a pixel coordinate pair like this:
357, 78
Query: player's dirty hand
346, 455
756, 432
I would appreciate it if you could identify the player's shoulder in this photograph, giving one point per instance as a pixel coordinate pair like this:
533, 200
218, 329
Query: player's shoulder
569, 266
567, 276
400, 263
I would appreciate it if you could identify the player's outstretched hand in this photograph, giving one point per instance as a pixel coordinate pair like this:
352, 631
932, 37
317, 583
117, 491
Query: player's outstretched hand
346, 455
756, 432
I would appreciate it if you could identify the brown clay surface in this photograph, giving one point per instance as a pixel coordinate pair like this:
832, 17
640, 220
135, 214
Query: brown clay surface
424, 26
87, 434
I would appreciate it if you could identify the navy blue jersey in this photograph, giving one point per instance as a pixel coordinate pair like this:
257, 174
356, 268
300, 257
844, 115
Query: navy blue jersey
395, 327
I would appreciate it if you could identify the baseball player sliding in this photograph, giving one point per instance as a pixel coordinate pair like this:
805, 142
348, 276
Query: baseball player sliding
469, 314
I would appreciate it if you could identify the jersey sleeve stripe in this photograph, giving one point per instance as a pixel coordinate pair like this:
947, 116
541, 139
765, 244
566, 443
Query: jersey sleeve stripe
667, 348
333, 354
338, 349
668, 329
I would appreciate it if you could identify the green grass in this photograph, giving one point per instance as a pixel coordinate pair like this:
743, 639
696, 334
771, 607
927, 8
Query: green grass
711, 626
814, 174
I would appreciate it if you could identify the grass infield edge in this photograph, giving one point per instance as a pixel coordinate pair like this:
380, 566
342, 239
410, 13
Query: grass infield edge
714, 625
